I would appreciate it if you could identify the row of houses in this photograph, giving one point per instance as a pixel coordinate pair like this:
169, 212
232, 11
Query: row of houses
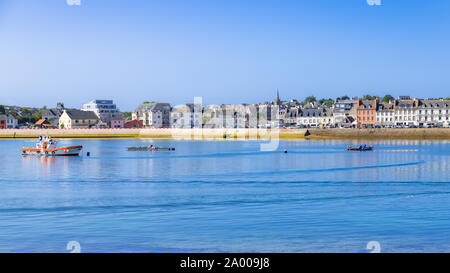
404, 112
343, 113
96, 113
348, 113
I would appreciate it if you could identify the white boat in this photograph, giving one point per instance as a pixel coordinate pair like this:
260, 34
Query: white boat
48, 147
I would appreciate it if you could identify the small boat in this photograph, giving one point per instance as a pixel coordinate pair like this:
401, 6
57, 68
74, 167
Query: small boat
150, 148
46, 146
360, 148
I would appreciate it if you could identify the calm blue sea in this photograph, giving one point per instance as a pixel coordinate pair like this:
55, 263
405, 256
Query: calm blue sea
227, 196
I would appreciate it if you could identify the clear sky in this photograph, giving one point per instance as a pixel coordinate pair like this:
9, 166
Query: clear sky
230, 51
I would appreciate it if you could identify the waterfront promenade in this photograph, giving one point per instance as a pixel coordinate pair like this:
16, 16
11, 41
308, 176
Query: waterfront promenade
416, 133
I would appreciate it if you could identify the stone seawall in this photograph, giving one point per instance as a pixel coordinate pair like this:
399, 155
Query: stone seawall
420, 133
154, 133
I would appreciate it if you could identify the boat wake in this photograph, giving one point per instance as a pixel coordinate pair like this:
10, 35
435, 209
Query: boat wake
278, 172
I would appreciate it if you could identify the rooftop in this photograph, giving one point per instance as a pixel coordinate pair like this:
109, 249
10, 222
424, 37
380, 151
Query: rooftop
78, 114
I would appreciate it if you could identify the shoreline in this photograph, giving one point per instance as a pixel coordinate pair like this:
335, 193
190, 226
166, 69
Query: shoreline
381, 134
240, 134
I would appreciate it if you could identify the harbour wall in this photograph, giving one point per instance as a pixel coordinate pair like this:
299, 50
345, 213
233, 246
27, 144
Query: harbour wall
386, 133
155, 133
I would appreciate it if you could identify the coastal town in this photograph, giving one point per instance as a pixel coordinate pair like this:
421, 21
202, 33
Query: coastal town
343, 112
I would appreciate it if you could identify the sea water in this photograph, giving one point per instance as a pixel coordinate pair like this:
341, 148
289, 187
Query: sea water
227, 196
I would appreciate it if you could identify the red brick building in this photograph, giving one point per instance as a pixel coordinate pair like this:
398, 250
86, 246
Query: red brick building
366, 112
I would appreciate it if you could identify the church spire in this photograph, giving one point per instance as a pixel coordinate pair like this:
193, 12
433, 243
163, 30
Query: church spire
277, 99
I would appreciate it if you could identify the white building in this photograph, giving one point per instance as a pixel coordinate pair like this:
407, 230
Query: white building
186, 116
327, 118
321, 117
434, 112
385, 114
309, 117
105, 110
153, 115
344, 113
72, 119
212, 116
405, 112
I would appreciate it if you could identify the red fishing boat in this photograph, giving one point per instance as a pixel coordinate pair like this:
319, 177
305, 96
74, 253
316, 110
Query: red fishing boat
46, 146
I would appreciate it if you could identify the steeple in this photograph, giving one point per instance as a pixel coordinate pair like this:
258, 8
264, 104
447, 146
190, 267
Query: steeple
277, 99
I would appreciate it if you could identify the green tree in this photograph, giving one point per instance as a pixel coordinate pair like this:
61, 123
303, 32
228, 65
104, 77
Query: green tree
127, 115
26, 111
326, 102
2, 109
343, 98
388, 98
36, 116
310, 99
370, 97
22, 119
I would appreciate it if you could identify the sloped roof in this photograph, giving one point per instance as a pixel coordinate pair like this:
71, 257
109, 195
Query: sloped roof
53, 112
153, 106
385, 106
5, 117
310, 113
42, 122
78, 114
367, 104
435, 103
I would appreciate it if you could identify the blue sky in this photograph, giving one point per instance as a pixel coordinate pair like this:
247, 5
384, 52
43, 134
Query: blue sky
225, 51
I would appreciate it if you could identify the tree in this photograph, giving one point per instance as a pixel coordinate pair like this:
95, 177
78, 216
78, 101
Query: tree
370, 97
310, 99
343, 98
2, 109
36, 116
127, 115
326, 102
26, 111
388, 98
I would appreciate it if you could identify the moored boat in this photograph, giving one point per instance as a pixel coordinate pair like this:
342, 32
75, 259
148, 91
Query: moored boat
46, 146
360, 148
150, 148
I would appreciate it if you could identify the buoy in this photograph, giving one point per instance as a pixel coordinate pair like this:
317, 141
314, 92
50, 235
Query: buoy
285, 151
